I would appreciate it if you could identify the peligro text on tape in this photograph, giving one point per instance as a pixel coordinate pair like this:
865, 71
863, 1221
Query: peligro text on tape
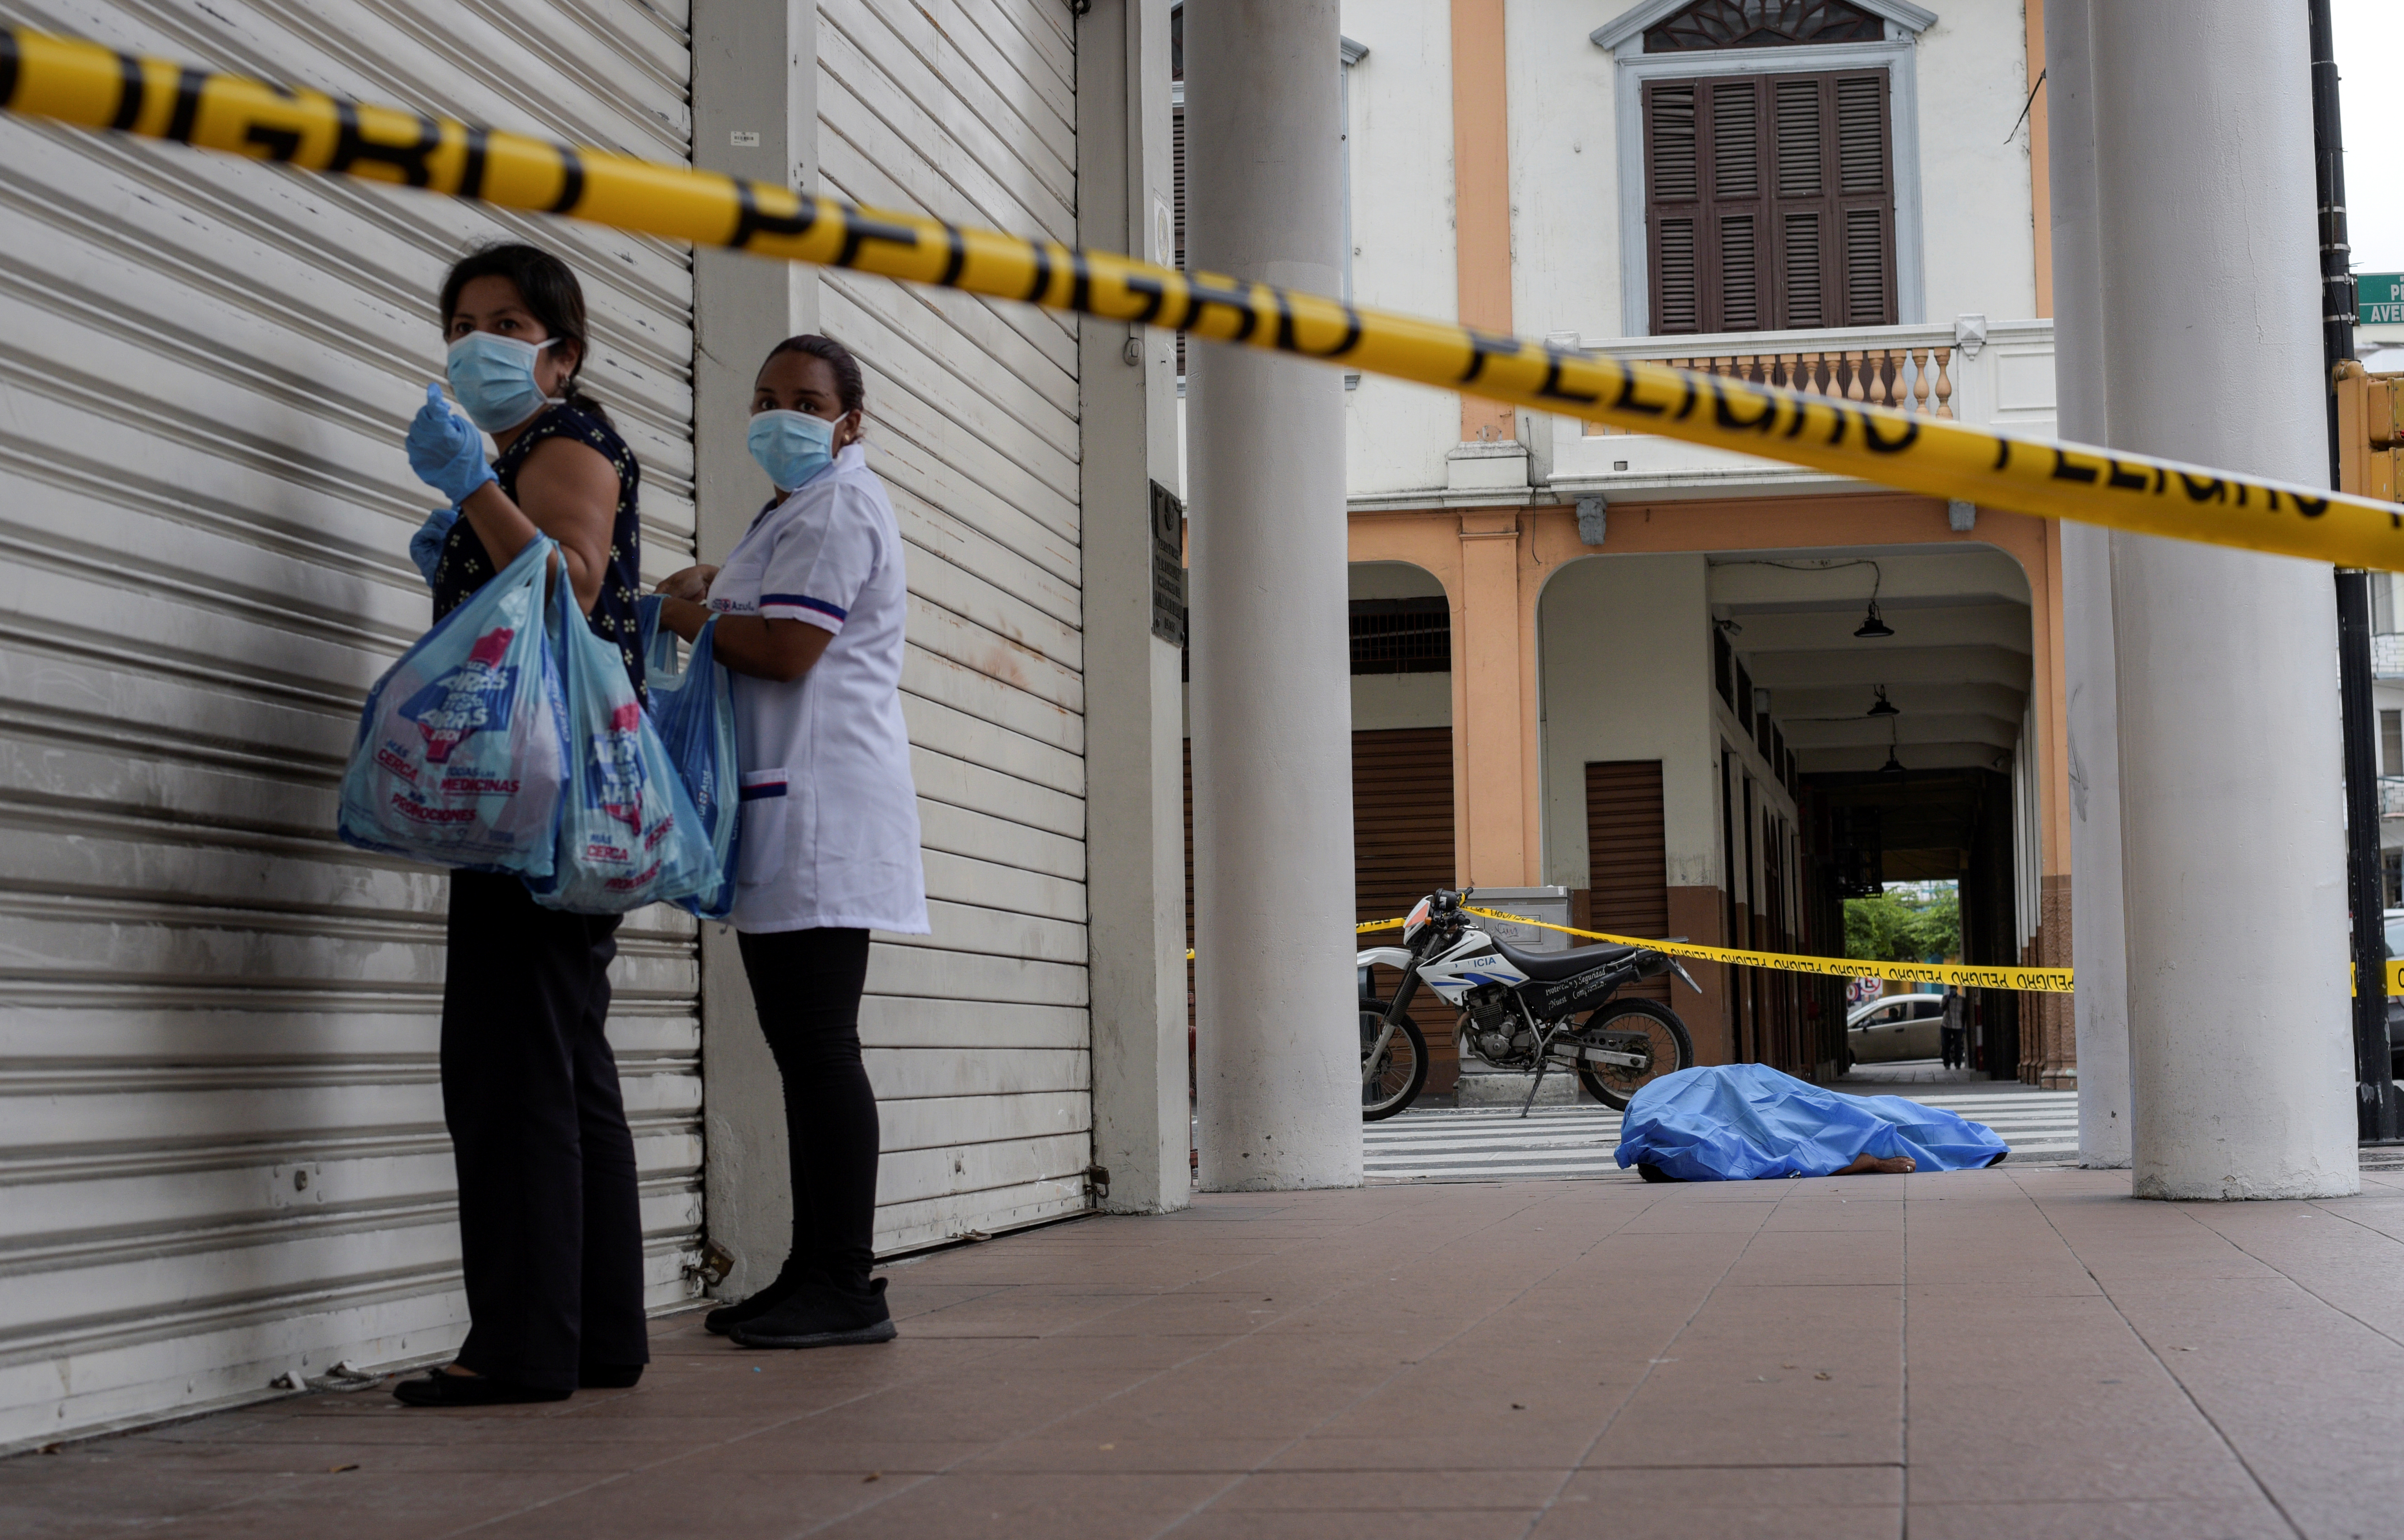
1969, 975
92, 86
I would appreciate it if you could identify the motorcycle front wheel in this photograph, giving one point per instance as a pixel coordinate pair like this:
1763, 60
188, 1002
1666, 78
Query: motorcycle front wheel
1394, 1080
1673, 1050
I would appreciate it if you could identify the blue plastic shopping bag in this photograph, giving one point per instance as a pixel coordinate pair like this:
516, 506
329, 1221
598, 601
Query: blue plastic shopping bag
460, 759
628, 831
693, 709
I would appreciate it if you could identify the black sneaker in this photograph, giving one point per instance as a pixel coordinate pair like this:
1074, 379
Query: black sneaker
724, 1319
823, 1316
438, 1387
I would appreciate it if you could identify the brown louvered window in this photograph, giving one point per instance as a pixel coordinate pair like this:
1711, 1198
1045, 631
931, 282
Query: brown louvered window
1769, 202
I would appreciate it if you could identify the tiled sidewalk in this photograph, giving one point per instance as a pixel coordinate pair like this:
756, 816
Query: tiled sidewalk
2001, 1353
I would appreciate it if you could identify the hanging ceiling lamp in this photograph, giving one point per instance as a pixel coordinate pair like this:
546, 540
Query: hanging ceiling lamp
1892, 768
1883, 707
1873, 626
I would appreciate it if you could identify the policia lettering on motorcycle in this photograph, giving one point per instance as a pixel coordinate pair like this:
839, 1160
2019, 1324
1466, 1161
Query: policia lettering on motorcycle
807, 612
1530, 1011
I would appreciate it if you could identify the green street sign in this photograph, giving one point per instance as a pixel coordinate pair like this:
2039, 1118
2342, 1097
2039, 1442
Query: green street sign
2379, 299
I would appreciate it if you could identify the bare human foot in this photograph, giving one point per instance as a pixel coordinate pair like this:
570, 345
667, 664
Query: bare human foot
1866, 1163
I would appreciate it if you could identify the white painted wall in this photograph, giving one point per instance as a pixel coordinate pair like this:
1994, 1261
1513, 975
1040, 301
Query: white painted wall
1626, 674
1400, 700
1564, 171
1977, 230
1396, 435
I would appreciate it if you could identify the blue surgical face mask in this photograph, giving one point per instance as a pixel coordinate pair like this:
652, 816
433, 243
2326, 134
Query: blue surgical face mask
492, 377
791, 446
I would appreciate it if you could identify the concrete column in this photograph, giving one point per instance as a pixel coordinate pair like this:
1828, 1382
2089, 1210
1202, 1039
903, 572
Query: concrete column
1277, 1045
2098, 940
2232, 833
754, 72
1134, 874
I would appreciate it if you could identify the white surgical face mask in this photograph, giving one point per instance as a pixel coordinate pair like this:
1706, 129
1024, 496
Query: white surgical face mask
492, 377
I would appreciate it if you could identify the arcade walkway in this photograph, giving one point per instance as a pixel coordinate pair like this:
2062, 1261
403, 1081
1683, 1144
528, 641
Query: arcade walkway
2000, 1353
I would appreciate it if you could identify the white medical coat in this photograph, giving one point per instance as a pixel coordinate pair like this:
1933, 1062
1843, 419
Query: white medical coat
829, 819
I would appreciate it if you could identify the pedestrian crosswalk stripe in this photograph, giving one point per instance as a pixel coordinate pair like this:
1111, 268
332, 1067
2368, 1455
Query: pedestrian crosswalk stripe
1495, 1143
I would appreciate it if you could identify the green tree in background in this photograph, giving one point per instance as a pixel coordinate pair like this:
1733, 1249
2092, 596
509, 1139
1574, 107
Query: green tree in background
1903, 926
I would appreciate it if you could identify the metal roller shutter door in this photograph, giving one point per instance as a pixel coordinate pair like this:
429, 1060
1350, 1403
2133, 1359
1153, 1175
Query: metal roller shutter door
1628, 856
223, 1155
1401, 851
977, 1037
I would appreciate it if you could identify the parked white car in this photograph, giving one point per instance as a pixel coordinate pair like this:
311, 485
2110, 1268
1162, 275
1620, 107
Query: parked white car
1893, 1027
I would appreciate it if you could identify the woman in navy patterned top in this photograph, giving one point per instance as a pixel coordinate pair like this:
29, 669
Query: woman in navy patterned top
549, 1225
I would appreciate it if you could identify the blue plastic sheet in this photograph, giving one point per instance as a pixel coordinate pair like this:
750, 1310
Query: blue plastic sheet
1737, 1122
628, 833
460, 759
693, 709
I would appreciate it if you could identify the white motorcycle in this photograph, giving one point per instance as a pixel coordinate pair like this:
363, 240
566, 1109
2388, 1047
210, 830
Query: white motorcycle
1518, 1011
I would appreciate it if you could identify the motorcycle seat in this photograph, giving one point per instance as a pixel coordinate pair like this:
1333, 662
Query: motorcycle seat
1551, 967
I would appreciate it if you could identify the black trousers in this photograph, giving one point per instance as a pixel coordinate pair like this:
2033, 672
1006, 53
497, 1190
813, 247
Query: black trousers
550, 1228
806, 985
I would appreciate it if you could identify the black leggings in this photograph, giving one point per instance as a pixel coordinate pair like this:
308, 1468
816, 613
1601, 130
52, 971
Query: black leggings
551, 1228
806, 985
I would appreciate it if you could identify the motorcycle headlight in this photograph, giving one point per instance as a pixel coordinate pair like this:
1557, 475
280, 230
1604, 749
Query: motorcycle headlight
1418, 917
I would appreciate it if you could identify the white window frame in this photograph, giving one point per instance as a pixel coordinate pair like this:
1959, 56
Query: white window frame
1897, 54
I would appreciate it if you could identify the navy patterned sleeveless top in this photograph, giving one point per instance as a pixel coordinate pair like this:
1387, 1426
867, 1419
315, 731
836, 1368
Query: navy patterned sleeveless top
465, 566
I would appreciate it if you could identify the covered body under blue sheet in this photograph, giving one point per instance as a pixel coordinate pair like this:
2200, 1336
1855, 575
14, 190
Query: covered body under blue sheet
1735, 1122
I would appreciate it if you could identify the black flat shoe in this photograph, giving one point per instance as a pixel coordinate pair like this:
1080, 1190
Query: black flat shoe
438, 1387
608, 1377
822, 1317
724, 1319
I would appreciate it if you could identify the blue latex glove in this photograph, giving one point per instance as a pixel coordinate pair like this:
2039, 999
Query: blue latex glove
445, 449
426, 546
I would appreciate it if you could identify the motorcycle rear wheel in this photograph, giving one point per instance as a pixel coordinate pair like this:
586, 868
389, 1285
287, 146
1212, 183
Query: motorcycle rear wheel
1402, 1069
1673, 1050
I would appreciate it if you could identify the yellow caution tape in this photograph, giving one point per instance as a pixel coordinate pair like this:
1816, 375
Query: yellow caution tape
2036, 980
2055, 980
92, 86
2394, 976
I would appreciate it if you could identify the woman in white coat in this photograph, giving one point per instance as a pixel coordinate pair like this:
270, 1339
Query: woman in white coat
809, 609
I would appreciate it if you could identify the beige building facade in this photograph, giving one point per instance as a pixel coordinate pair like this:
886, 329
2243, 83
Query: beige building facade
1706, 694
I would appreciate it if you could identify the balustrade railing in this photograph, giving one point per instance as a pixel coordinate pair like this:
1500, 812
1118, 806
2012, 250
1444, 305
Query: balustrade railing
1913, 379
1993, 374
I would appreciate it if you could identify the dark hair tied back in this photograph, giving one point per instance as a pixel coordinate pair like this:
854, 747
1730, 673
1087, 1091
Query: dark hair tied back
849, 391
550, 293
